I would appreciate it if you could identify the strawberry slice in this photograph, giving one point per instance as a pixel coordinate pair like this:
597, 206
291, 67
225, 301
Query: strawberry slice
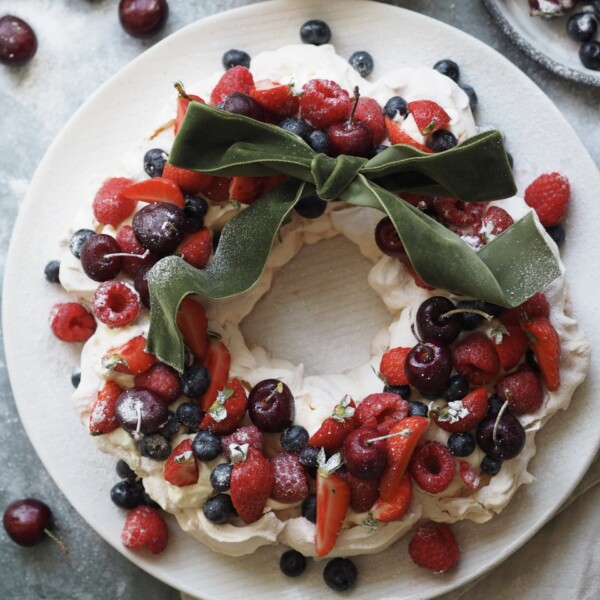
397, 503
461, 415
511, 343
238, 79
181, 468
103, 418
157, 189
276, 98
130, 358
183, 103
246, 190
545, 343
428, 115
217, 362
193, 326
333, 500
196, 248
218, 191
469, 475
227, 410
335, 429
188, 181
398, 136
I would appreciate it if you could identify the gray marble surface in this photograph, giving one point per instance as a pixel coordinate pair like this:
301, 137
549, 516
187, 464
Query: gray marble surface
80, 46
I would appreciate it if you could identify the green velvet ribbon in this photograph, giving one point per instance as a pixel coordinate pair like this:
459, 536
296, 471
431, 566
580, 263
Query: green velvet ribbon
506, 271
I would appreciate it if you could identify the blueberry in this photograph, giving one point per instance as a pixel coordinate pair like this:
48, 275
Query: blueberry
155, 447
471, 320
473, 99
171, 428
309, 508
495, 404
51, 271
441, 140
315, 32
235, 58
206, 445
189, 414
490, 465
292, 563
362, 62
154, 162
317, 140
78, 239
310, 207
402, 390
220, 477
396, 104
308, 457
596, 7
589, 54
457, 389
531, 360
127, 494
195, 381
195, 210
448, 68
582, 26
219, 509
298, 127
557, 233
461, 444
379, 149
294, 438
149, 502
76, 378
417, 409
340, 574
124, 471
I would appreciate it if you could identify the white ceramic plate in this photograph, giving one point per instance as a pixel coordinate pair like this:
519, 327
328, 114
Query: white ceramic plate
544, 40
111, 124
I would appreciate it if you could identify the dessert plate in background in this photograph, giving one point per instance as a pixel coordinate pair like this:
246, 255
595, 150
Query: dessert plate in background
112, 124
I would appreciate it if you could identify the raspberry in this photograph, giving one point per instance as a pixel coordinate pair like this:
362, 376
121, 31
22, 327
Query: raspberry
434, 547
290, 483
363, 493
432, 467
536, 306
381, 411
456, 212
248, 434
130, 245
162, 380
370, 113
109, 205
238, 79
144, 526
476, 358
495, 221
549, 195
116, 304
71, 322
324, 102
391, 366
511, 344
522, 390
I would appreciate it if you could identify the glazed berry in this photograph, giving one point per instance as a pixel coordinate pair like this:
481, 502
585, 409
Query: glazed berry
365, 458
557, 233
491, 466
298, 127
294, 438
441, 140
75, 378
388, 240
417, 409
18, 42
340, 574
78, 239
470, 92
220, 477
509, 439
428, 366
195, 381
457, 389
323, 103
127, 494
434, 547
97, 257
461, 444
309, 508
235, 58
448, 68
51, 271
271, 405
219, 509
71, 322
206, 445
362, 62
115, 303
317, 140
309, 457
159, 227
434, 323
195, 210
124, 471
154, 162
141, 411
470, 319
27, 521
171, 428
315, 32
189, 414
581, 27
242, 104
432, 467
589, 54
396, 105
401, 390
310, 207
143, 18
292, 563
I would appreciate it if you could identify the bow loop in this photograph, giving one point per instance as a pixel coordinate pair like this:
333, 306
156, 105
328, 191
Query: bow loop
333, 175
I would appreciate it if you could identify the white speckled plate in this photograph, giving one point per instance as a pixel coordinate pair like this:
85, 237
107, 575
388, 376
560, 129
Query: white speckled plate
111, 124
544, 40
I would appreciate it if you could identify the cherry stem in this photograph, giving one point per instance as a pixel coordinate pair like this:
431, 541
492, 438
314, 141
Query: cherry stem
356, 97
277, 390
60, 543
404, 432
500, 413
181, 91
129, 255
475, 311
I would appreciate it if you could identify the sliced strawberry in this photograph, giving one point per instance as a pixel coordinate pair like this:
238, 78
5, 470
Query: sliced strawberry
398, 136
461, 415
182, 107
397, 502
276, 98
246, 190
226, 412
545, 343
469, 475
193, 326
157, 189
511, 343
369, 112
536, 306
103, 418
217, 362
237, 79
218, 191
181, 468
428, 115
335, 429
131, 357
188, 181
196, 248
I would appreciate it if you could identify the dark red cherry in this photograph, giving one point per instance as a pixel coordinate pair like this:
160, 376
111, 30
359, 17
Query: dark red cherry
242, 104
18, 42
510, 436
350, 137
363, 458
271, 405
433, 322
25, 521
143, 18
428, 366
388, 240
141, 411
97, 257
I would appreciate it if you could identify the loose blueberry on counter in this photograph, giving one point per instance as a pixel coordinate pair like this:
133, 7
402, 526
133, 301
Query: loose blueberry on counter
317, 140
219, 509
298, 127
206, 445
448, 68
189, 414
80, 237
235, 58
242, 104
310, 207
154, 162
18, 42
195, 210
441, 140
220, 477
362, 62
143, 18
340, 574
315, 32
155, 447
557, 233
294, 438
458, 388
395, 105
491, 466
75, 378
461, 444
171, 428
51, 271
124, 471
401, 390
309, 508
589, 54
127, 494
417, 409
292, 563
195, 381
581, 27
